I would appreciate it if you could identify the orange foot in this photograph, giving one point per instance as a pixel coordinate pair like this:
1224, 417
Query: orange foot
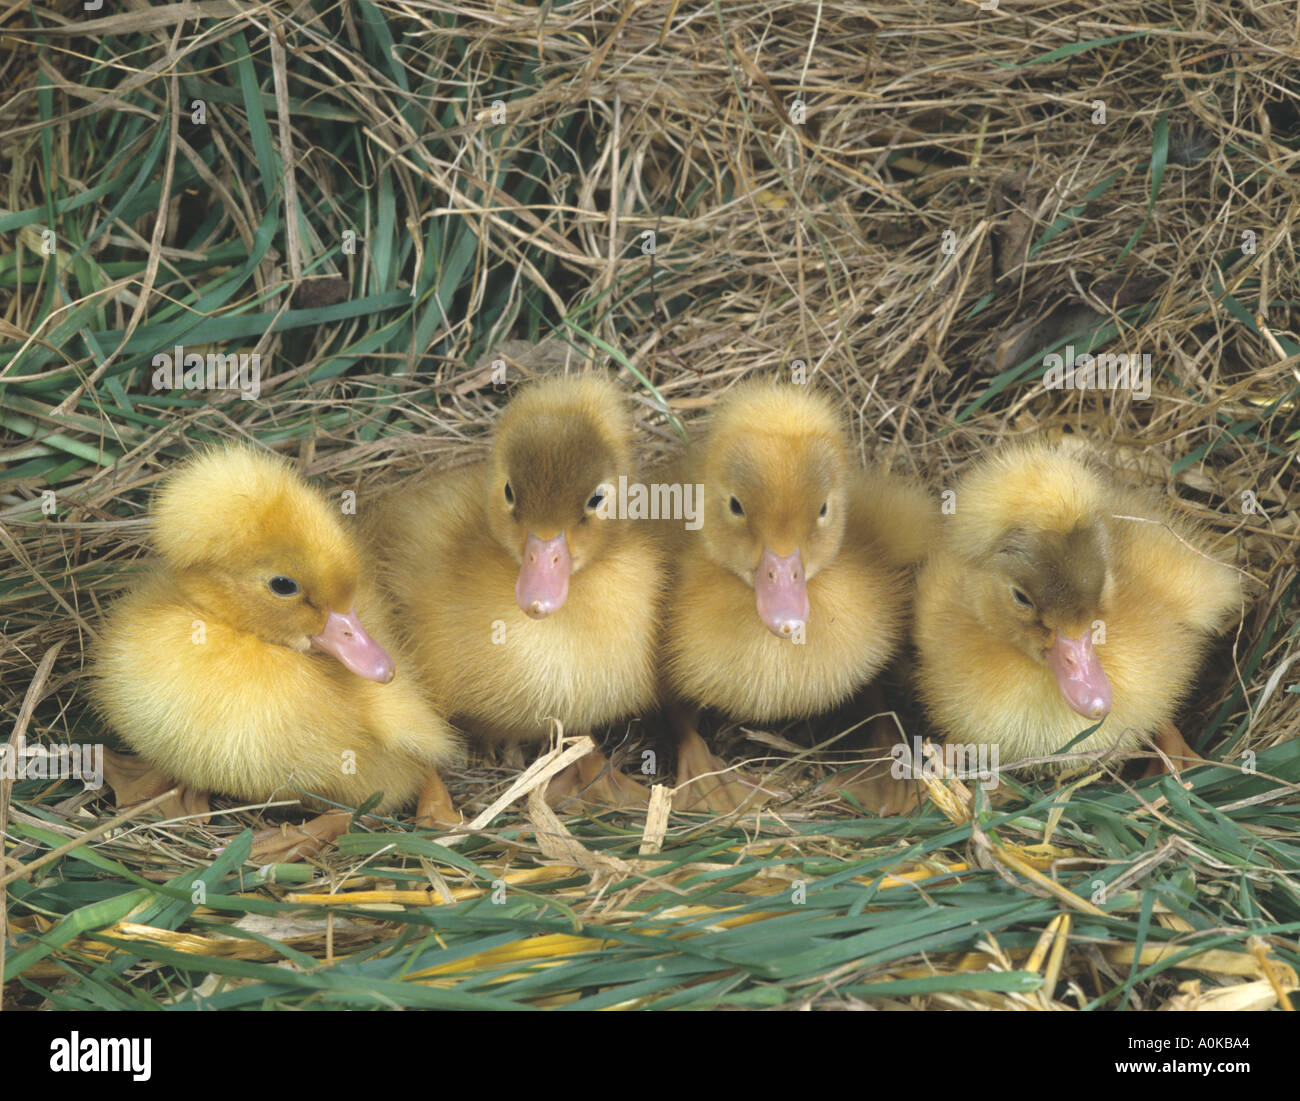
593, 780
705, 782
874, 788
133, 780
873, 785
1170, 741
287, 843
435, 809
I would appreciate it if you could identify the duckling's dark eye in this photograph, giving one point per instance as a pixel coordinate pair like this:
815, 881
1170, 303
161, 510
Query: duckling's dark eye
510, 494
826, 507
284, 586
736, 510
1021, 598
596, 499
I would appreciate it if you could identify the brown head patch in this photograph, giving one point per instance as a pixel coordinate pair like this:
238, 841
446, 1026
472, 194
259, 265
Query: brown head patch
1062, 572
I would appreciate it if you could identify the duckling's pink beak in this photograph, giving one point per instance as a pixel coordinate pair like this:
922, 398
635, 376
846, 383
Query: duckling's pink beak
1079, 675
782, 593
344, 638
544, 576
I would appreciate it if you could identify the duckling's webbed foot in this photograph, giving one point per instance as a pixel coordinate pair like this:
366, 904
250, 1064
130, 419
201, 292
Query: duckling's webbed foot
594, 780
706, 782
288, 844
1169, 740
874, 788
133, 780
435, 809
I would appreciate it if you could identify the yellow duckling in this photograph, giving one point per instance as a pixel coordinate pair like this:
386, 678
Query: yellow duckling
794, 592
523, 596
240, 664
1058, 598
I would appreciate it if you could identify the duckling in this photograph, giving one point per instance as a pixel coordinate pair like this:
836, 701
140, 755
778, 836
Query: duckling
241, 664
524, 597
794, 592
1057, 599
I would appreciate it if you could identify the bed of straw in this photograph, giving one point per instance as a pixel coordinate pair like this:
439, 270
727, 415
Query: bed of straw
911, 202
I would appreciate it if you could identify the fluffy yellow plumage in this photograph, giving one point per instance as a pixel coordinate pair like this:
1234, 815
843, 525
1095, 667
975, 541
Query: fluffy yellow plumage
1058, 596
240, 664
520, 600
794, 592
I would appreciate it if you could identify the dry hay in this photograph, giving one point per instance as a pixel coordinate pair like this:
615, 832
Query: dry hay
912, 202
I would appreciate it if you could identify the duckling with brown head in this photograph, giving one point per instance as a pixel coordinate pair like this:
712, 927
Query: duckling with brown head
1058, 598
524, 599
